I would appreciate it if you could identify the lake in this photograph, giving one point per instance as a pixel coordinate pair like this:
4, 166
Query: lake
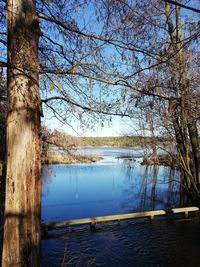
109, 186
116, 185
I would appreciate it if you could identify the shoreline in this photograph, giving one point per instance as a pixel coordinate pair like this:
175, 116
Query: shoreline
162, 160
68, 159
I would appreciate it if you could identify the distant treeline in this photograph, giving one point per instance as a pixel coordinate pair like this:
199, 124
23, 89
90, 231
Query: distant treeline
62, 140
121, 141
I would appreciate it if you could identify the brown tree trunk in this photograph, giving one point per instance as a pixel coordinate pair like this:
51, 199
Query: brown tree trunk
184, 120
21, 244
194, 139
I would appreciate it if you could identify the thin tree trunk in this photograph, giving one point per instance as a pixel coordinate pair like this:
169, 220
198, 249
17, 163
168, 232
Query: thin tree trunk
193, 132
184, 121
21, 244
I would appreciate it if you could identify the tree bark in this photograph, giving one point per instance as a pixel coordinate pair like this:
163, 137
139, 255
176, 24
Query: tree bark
194, 139
21, 244
184, 121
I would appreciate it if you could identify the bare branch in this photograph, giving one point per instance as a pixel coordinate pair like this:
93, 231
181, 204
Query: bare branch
123, 83
85, 108
116, 43
183, 6
3, 64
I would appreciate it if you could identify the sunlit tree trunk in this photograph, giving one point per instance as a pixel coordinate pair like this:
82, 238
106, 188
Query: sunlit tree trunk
2, 154
21, 244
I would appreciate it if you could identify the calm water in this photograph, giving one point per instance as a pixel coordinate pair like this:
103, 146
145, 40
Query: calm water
114, 186
110, 186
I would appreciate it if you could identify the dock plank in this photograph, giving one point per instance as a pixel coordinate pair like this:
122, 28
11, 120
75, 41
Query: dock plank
92, 221
185, 210
149, 214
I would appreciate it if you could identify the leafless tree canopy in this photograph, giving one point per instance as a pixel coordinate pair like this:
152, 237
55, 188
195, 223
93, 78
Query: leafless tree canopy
80, 61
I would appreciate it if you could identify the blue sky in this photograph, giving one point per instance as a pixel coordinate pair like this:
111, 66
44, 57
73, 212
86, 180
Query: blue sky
118, 126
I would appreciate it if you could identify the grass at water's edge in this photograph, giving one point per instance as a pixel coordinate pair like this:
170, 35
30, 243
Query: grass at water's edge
68, 159
164, 160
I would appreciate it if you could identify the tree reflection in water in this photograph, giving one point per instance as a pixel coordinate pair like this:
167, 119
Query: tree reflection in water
157, 188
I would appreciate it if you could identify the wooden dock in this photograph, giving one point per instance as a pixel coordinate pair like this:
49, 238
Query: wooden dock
185, 210
92, 221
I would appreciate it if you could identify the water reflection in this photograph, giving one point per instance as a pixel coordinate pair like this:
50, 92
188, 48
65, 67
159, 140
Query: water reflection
111, 186
159, 190
114, 186
152, 187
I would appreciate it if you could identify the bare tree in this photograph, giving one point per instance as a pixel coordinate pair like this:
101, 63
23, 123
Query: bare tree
162, 74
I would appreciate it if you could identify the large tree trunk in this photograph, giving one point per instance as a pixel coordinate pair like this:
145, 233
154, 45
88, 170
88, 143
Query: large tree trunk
21, 244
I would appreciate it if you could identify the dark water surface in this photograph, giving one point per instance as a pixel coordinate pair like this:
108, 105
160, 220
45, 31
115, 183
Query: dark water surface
115, 186
140, 244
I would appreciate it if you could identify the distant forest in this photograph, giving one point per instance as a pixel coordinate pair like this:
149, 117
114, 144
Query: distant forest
57, 139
